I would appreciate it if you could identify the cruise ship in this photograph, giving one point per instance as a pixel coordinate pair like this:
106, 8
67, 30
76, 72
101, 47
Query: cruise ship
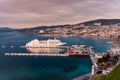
45, 43
46, 50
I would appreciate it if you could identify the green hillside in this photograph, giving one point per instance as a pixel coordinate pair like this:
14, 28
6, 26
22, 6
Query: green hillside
113, 75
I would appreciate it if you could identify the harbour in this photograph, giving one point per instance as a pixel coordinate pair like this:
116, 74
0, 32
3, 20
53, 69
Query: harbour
74, 50
59, 40
65, 67
113, 51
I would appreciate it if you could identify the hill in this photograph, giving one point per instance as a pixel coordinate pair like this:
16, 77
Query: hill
6, 29
102, 21
87, 23
113, 75
44, 27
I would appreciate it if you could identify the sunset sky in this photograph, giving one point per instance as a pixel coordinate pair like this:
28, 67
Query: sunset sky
32, 13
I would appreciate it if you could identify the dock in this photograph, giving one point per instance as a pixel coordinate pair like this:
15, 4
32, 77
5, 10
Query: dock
33, 54
83, 77
45, 47
72, 51
43, 54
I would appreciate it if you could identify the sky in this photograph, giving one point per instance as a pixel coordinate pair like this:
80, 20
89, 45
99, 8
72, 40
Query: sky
32, 13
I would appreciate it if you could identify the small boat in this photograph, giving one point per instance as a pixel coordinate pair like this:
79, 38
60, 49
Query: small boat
11, 46
3, 46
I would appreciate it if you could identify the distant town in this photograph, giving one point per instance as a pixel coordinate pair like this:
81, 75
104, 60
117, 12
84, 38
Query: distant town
86, 31
94, 29
102, 63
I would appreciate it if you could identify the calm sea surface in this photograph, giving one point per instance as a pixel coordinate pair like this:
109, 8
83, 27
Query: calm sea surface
44, 68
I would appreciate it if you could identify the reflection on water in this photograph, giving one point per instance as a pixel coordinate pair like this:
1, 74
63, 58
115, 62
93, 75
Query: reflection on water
46, 50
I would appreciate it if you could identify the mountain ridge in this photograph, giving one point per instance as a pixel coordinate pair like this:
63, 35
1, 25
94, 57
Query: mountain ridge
6, 29
102, 21
86, 23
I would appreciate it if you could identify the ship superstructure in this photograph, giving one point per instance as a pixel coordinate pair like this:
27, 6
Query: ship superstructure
44, 43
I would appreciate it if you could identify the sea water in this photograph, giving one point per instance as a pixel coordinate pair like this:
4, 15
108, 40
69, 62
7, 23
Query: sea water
44, 68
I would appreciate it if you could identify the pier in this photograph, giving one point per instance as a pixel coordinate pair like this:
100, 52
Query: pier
45, 47
74, 51
33, 54
39, 54
35, 47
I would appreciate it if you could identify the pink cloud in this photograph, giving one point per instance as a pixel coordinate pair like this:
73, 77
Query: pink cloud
50, 12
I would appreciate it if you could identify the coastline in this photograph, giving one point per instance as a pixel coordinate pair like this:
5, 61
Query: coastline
58, 35
92, 37
113, 43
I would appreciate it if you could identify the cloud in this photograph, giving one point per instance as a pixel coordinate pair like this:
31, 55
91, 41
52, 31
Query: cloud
30, 13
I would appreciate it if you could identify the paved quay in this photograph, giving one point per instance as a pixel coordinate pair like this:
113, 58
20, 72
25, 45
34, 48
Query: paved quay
83, 77
33, 54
